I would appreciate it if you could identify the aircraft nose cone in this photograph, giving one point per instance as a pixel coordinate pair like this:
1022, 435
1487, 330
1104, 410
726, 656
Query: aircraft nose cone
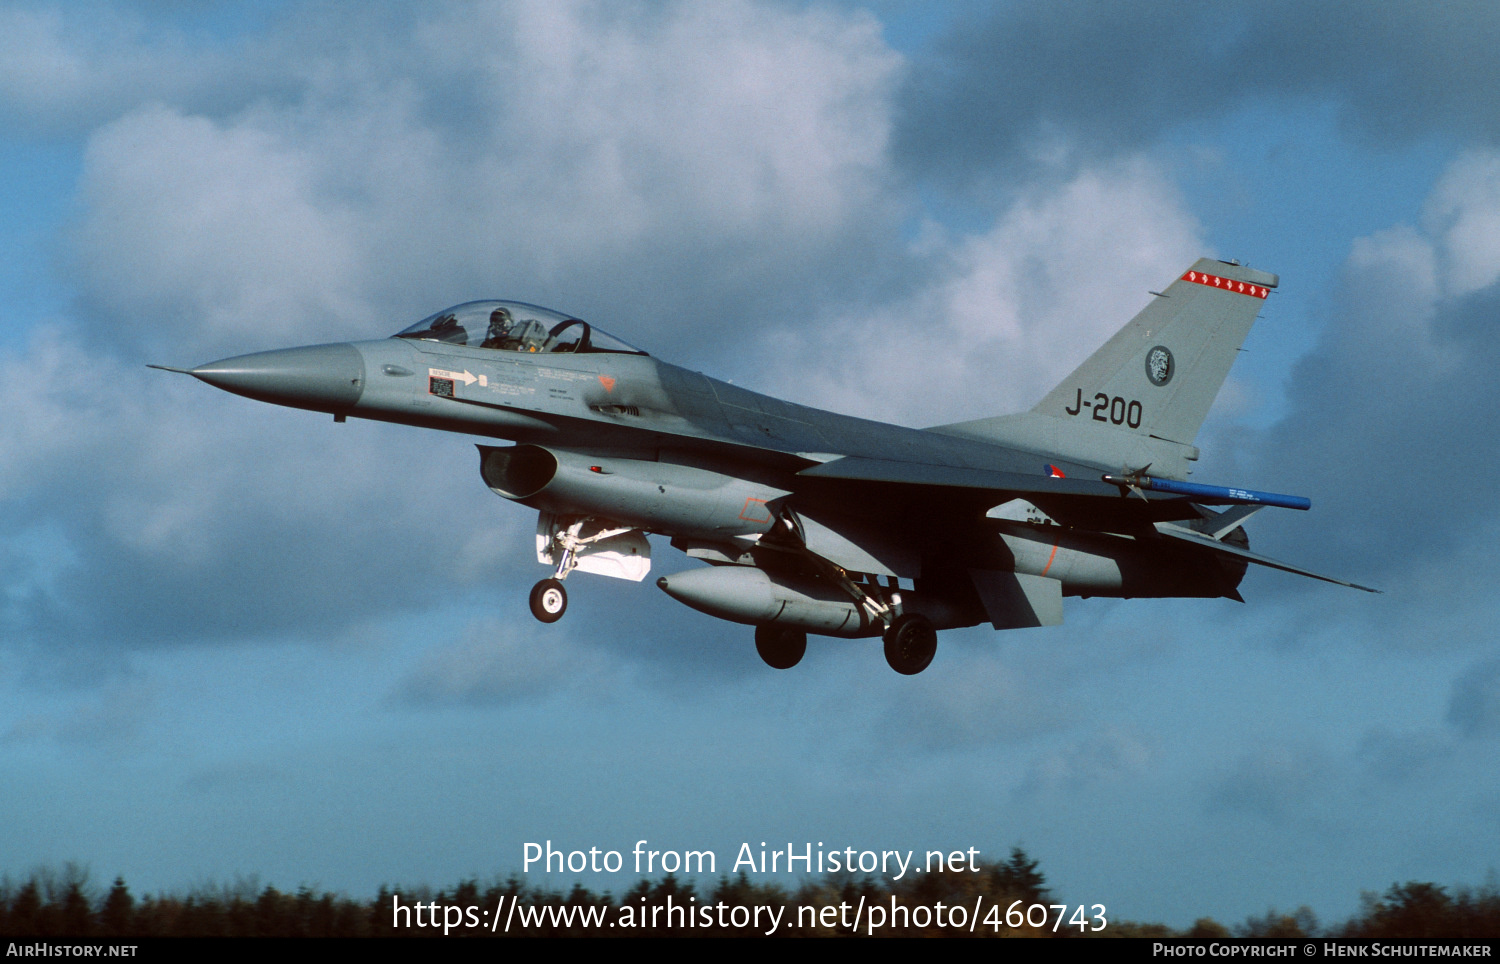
319, 377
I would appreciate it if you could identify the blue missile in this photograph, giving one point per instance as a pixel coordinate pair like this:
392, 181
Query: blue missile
1211, 494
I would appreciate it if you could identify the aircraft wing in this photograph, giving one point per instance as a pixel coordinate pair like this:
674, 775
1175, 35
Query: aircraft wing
1208, 542
1084, 503
860, 469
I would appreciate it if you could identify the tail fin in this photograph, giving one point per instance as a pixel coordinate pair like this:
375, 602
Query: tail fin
1154, 380
1171, 359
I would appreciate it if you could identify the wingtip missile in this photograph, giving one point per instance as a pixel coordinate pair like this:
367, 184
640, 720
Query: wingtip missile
1209, 494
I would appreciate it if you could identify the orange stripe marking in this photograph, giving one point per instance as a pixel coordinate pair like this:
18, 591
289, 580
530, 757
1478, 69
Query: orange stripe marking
1050, 558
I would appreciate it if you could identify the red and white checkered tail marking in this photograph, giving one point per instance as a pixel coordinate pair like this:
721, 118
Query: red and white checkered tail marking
1228, 284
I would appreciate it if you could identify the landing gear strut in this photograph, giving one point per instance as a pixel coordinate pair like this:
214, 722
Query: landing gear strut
549, 600
780, 647
610, 548
910, 644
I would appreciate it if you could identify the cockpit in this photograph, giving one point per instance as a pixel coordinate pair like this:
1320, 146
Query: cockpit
515, 326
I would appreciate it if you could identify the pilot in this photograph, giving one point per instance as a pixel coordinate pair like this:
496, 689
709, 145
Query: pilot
499, 335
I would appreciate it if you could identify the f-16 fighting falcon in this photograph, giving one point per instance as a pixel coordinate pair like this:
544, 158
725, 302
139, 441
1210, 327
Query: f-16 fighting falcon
813, 522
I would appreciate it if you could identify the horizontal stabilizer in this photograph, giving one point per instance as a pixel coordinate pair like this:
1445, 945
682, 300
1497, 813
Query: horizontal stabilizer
1203, 541
1221, 524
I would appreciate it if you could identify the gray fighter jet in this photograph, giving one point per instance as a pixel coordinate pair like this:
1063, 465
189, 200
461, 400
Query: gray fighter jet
813, 522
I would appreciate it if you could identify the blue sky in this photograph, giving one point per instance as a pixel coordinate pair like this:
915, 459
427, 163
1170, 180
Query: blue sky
241, 641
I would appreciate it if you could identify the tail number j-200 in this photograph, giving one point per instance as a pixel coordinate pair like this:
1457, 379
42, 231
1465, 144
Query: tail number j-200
1114, 411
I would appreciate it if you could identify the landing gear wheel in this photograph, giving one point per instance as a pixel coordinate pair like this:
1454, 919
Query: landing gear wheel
910, 644
549, 600
780, 647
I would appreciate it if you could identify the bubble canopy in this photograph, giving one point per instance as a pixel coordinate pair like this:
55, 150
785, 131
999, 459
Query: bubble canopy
515, 326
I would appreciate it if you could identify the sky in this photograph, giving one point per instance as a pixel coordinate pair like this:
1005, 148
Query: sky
240, 642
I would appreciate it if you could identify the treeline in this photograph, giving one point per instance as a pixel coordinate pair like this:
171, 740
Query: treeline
64, 904
1405, 911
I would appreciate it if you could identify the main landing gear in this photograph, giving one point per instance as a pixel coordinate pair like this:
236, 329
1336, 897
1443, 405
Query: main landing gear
780, 647
910, 638
910, 644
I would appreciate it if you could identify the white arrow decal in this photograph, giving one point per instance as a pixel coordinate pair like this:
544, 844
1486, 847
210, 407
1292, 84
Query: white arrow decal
464, 376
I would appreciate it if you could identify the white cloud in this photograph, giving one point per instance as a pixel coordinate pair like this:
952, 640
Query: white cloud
1387, 410
202, 235
66, 68
1463, 216
734, 115
1008, 312
504, 149
38, 68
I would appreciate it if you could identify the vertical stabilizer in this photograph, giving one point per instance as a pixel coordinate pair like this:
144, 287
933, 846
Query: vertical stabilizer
1141, 398
1159, 374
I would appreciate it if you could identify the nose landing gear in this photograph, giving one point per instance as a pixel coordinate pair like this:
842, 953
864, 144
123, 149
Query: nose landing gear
587, 544
549, 600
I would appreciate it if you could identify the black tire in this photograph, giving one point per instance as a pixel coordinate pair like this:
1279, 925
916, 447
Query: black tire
910, 644
549, 600
780, 647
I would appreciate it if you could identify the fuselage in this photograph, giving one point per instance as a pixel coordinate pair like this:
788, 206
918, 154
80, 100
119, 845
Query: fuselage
634, 409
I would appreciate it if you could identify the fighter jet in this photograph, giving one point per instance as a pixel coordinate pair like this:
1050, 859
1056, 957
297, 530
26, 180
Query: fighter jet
815, 522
